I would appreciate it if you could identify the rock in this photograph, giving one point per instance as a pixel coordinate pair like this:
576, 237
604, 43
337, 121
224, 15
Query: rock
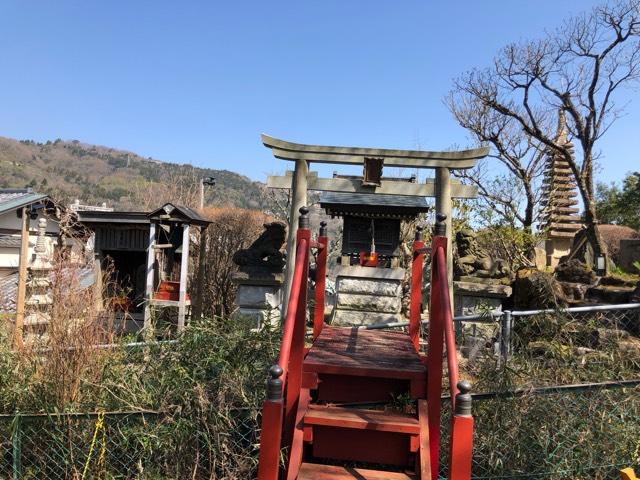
533, 289
575, 271
574, 292
612, 281
609, 295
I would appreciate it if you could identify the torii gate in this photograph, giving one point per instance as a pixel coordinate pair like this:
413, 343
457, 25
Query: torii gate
443, 188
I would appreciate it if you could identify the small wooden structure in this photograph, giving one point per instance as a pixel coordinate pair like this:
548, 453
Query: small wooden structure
560, 215
168, 259
373, 160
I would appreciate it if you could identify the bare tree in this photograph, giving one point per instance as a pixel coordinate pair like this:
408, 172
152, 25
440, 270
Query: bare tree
513, 195
577, 68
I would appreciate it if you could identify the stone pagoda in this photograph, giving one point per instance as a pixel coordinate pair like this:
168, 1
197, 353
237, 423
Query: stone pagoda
559, 217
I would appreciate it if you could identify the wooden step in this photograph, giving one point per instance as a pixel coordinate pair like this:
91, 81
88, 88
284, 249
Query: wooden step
362, 419
313, 471
367, 353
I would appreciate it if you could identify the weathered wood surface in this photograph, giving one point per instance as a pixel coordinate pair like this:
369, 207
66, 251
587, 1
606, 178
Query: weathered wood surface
355, 155
353, 351
312, 471
362, 419
387, 187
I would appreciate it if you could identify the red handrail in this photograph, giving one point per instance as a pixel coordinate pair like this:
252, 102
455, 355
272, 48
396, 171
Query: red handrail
302, 256
287, 374
441, 334
450, 339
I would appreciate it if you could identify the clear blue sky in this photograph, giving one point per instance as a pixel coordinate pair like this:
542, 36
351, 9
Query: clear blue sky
198, 81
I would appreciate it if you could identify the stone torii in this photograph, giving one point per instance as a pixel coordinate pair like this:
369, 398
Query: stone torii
442, 187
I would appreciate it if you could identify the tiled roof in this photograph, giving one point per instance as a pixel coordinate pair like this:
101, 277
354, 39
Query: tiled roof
12, 198
9, 241
373, 200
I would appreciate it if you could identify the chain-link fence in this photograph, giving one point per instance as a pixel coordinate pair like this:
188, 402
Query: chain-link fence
525, 429
126, 445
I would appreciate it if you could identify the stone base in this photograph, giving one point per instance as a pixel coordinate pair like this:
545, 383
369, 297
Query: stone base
349, 318
259, 299
366, 295
475, 298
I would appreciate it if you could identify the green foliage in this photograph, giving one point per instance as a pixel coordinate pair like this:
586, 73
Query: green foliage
620, 205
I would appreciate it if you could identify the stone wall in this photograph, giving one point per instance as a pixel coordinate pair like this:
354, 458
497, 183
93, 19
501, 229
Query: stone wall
366, 295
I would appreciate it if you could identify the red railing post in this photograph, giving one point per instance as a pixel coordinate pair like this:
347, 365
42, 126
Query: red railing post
294, 379
415, 305
321, 280
289, 365
461, 454
271, 429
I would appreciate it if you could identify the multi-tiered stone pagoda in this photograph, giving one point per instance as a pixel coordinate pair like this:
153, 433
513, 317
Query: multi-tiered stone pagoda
560, 217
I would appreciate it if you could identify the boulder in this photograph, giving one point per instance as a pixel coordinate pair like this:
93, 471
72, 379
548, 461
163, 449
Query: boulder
575, 271
533, 289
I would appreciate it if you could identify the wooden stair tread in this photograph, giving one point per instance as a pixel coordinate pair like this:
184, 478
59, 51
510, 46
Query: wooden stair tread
362, 419
314, 471
373, 353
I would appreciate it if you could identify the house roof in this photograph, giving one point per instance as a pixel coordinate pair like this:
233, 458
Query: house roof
371, 204
178, 213
13, 198
9, 241
92, 216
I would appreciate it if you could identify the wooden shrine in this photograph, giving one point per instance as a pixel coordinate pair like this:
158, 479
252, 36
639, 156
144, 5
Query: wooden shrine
373, 161
560, 218
168, 259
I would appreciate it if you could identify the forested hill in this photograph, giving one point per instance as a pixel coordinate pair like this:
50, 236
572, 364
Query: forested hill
69, 170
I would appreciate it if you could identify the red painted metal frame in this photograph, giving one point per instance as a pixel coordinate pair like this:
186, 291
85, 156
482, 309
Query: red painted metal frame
290, 360
440, 333
415, 305
321, 279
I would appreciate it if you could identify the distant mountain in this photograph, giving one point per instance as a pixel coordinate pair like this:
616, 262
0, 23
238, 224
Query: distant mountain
69, 170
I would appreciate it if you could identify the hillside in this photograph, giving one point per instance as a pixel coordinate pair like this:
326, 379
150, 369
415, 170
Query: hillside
69, 170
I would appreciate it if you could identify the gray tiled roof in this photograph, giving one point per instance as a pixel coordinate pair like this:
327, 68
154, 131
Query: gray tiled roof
373, 200
12, 198
9, 241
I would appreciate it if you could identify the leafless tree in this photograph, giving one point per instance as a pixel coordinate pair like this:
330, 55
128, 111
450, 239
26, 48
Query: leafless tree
578, 68
512, 195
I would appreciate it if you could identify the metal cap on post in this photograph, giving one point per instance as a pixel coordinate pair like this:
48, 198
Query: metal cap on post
440, 229
323, 228
419, 235
463, 399
303, 221
274, 384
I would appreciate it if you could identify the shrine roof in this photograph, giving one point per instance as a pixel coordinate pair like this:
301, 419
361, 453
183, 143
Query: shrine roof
372, 204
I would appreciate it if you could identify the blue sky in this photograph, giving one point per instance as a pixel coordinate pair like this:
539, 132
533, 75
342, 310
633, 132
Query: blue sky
198, 81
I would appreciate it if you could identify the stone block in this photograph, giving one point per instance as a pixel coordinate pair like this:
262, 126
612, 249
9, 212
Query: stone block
353, 301
385, 288
348, 318
258, 296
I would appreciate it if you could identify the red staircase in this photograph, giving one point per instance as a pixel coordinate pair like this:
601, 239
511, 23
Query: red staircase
364, 404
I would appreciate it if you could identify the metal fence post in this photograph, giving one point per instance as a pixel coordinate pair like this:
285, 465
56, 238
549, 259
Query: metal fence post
16, 448
506, 322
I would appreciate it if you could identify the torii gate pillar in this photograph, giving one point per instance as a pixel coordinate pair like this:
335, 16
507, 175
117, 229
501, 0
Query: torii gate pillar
298, 200
443, 205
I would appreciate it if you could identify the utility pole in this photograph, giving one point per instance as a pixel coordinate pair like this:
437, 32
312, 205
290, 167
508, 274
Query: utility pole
202, 255
22, 279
